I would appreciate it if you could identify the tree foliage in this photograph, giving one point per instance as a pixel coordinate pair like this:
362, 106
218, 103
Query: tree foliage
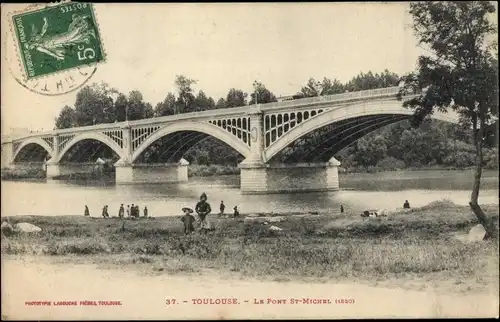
167, 107
66, 118
263, 94
94, 104
235, 98
371, 81
325, 87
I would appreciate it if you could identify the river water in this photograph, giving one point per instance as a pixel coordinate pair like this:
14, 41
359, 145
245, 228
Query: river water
358, 192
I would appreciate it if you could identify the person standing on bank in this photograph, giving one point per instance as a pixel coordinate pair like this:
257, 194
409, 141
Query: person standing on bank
121, 212
105, 211
188, 220
203, 209
86, 213
128, 211
222, 207
341, 209
145, 212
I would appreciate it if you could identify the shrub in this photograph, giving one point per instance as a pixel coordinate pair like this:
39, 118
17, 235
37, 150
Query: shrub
391, 163
77, 247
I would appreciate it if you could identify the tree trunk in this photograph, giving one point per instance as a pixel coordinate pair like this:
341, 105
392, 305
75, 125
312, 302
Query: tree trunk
489, 226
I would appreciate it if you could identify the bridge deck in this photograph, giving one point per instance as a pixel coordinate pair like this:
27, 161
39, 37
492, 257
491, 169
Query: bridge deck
229, 112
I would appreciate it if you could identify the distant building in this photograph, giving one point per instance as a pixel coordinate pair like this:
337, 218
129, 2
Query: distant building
290, 97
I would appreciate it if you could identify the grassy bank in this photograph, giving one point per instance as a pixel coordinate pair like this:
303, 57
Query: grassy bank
378, 169
27, 174
87, 176
196, 170
18, 174
405, 245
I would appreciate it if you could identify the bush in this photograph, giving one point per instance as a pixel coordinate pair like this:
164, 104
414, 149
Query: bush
391, 163
212, 170
77, 247
460, 159
491, 159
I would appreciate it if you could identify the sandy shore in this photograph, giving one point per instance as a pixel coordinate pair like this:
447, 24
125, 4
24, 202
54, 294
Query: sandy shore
144, 296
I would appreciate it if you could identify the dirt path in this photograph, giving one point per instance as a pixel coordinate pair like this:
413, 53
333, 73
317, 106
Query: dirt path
143, 297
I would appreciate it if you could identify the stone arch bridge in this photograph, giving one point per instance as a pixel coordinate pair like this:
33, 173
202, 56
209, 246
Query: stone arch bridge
259, 133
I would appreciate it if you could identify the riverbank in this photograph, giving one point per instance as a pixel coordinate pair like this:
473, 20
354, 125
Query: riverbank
421, 245
20, 174
196, 170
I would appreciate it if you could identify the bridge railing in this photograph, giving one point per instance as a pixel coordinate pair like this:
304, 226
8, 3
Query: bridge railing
373, 93
336, 97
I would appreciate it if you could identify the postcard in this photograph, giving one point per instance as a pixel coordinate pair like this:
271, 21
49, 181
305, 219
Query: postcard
208, 161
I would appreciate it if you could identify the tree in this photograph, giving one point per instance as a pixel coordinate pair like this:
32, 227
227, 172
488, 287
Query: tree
221, 103
312, 88
372, 149
236, 98
167, 107
186, 97
94, 104
202, 102
137, 108
121, 105
263, 94
461, 75
329, 87
326, 87
369, 80
66, 118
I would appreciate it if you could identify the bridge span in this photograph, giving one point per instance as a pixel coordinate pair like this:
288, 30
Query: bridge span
258, 132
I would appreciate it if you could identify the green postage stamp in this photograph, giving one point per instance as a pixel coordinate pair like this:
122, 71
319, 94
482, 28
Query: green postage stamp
57, 38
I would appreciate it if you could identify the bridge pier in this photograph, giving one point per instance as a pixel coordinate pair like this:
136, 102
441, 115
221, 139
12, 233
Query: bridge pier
151, 173
7, 156
260, 178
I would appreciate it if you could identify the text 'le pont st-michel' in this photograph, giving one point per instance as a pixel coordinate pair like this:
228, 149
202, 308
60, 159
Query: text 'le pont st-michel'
267, 301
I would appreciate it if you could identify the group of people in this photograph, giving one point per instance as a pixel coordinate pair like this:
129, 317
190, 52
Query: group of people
202, 209
222, 207
132, 211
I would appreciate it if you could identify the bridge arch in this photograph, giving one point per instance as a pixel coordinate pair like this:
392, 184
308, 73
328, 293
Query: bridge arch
194, 126
345, 112
35, 140
90, 136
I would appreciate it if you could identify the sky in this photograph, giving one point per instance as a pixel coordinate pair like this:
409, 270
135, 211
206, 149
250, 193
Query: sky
229, 45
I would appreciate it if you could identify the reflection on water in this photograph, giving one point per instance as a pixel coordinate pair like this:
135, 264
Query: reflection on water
359, 192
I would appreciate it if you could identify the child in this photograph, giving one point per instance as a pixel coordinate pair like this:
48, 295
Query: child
188, 220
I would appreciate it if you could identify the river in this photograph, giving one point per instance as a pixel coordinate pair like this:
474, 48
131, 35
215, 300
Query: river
359, 191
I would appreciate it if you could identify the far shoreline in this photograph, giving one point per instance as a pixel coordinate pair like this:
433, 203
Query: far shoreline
197, 171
